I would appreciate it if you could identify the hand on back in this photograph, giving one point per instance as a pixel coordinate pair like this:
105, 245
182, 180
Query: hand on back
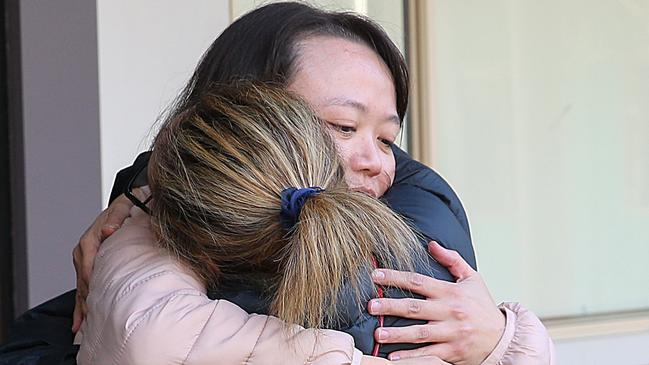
464, 324
83, 255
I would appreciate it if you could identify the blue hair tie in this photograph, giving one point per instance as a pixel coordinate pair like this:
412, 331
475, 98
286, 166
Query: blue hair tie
293, 200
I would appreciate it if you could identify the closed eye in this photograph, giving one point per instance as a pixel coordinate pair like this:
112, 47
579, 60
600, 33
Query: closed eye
344, 129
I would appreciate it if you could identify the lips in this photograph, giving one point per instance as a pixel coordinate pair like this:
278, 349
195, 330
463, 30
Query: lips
365, 190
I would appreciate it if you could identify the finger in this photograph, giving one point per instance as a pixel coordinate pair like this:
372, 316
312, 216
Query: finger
424, 360
82, 289
420, 333
76, 316
87, 264
440, 351
83, 275
141, 193
83, 266
84, 308
76, 259
413, 282
85, 251
116, 213
451, 260
428, 310
107, 230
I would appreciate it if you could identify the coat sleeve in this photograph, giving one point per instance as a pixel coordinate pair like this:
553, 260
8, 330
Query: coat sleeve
525, 340
147, 308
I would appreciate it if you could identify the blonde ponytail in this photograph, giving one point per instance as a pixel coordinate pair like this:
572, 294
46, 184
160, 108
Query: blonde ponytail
337, 237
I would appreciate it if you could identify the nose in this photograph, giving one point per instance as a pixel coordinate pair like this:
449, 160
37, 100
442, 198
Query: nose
366, 158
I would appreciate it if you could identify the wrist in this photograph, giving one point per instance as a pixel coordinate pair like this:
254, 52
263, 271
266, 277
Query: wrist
504, 339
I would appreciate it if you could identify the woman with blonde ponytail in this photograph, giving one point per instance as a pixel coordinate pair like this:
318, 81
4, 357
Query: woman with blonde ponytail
247, 189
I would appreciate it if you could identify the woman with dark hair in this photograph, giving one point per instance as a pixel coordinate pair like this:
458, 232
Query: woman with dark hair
355, 79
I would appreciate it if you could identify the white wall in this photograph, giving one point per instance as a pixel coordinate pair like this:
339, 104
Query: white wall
147, 51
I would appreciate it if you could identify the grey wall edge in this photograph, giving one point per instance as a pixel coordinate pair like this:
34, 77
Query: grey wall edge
58, 191
16, 157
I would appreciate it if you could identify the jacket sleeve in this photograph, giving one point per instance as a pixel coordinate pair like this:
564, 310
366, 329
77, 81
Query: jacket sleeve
147, 308
525, 340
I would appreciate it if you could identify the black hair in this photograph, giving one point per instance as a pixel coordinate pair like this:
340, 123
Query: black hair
261, 46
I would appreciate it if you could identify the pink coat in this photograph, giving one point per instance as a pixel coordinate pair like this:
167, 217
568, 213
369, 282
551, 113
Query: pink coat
145, 307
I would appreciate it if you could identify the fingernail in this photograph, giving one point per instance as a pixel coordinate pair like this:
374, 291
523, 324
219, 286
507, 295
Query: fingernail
375, 306
383, 335
378, 274
394, 357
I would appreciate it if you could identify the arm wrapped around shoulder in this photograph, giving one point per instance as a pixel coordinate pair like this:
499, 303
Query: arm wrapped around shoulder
191, 329
145, 307
525, 340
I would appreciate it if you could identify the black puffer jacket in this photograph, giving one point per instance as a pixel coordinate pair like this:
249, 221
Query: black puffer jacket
42, 335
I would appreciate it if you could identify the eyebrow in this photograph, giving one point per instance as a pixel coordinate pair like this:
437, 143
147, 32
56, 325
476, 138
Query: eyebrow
358, 106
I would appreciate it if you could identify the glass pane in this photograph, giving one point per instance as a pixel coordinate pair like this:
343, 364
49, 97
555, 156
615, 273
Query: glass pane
542, 125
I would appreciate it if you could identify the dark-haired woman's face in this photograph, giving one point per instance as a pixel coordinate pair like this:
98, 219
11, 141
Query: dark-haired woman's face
351, 88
